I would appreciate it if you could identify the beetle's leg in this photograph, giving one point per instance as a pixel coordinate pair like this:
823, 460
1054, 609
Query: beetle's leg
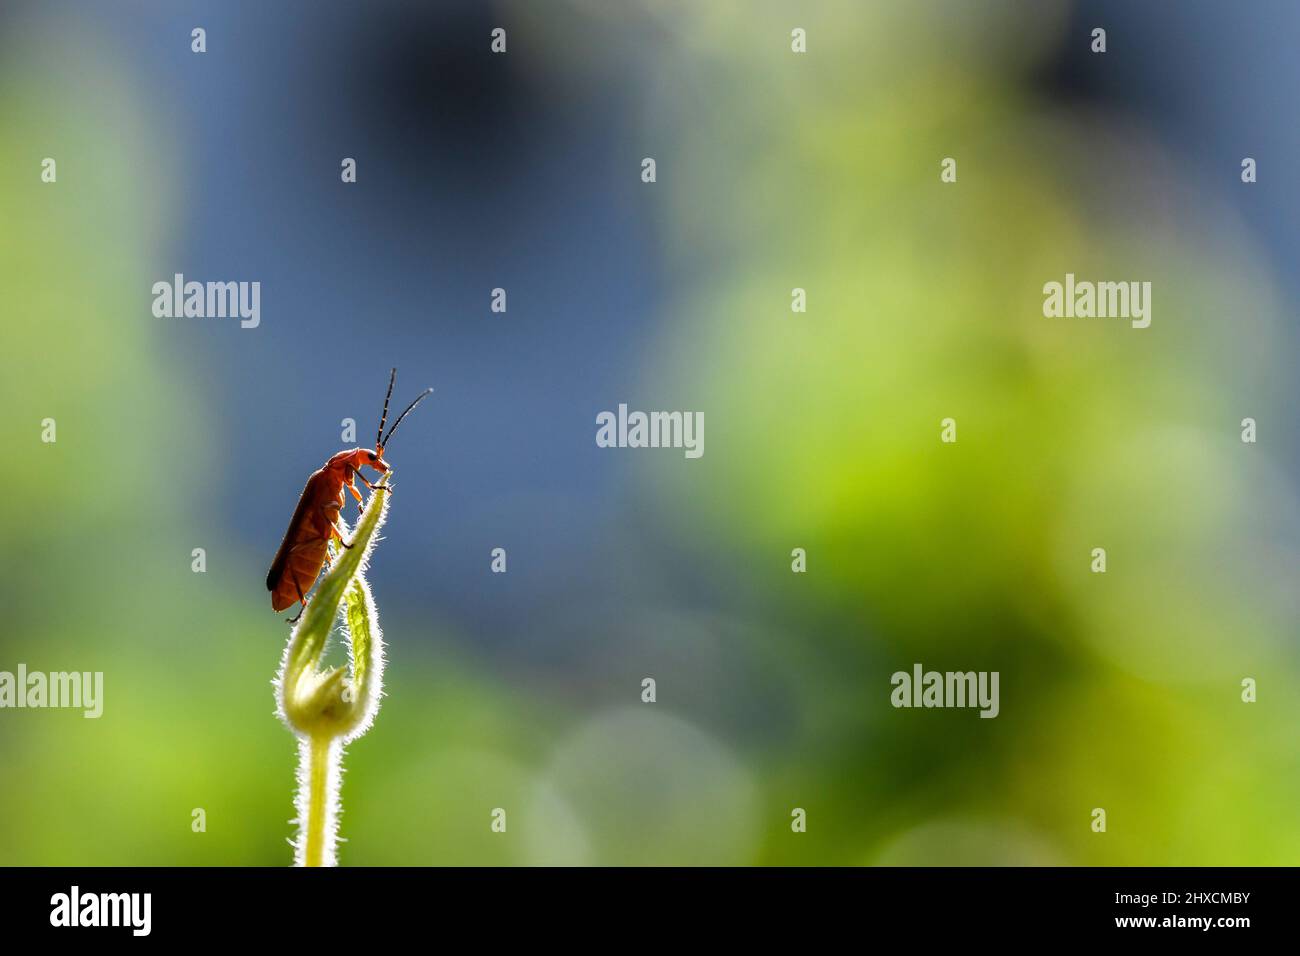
352, 487
338, 535
373, 487
294, 620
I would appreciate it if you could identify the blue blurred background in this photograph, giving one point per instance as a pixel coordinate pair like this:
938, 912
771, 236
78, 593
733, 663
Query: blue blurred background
775, 170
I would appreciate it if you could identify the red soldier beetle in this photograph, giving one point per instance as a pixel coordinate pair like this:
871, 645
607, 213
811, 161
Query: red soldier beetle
304, 552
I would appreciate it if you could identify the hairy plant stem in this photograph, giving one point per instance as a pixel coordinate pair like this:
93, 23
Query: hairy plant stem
329, 708
322, 800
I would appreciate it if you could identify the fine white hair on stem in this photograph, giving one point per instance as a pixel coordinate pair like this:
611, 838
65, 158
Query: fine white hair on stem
320, 763
328, 708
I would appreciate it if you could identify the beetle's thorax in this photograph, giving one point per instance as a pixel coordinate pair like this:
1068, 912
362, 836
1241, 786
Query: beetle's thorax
348, 456
351, 459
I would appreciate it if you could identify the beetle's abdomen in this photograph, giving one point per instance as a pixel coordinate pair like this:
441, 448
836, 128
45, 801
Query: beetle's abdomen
302, 553
301, 569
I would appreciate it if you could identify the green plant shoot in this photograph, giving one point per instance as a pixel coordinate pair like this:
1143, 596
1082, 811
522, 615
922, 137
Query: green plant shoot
328, 709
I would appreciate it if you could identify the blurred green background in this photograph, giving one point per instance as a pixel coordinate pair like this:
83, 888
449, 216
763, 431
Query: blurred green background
775, 170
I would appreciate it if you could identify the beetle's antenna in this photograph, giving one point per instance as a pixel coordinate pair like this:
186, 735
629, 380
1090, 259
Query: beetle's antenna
379, 436
419, 398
